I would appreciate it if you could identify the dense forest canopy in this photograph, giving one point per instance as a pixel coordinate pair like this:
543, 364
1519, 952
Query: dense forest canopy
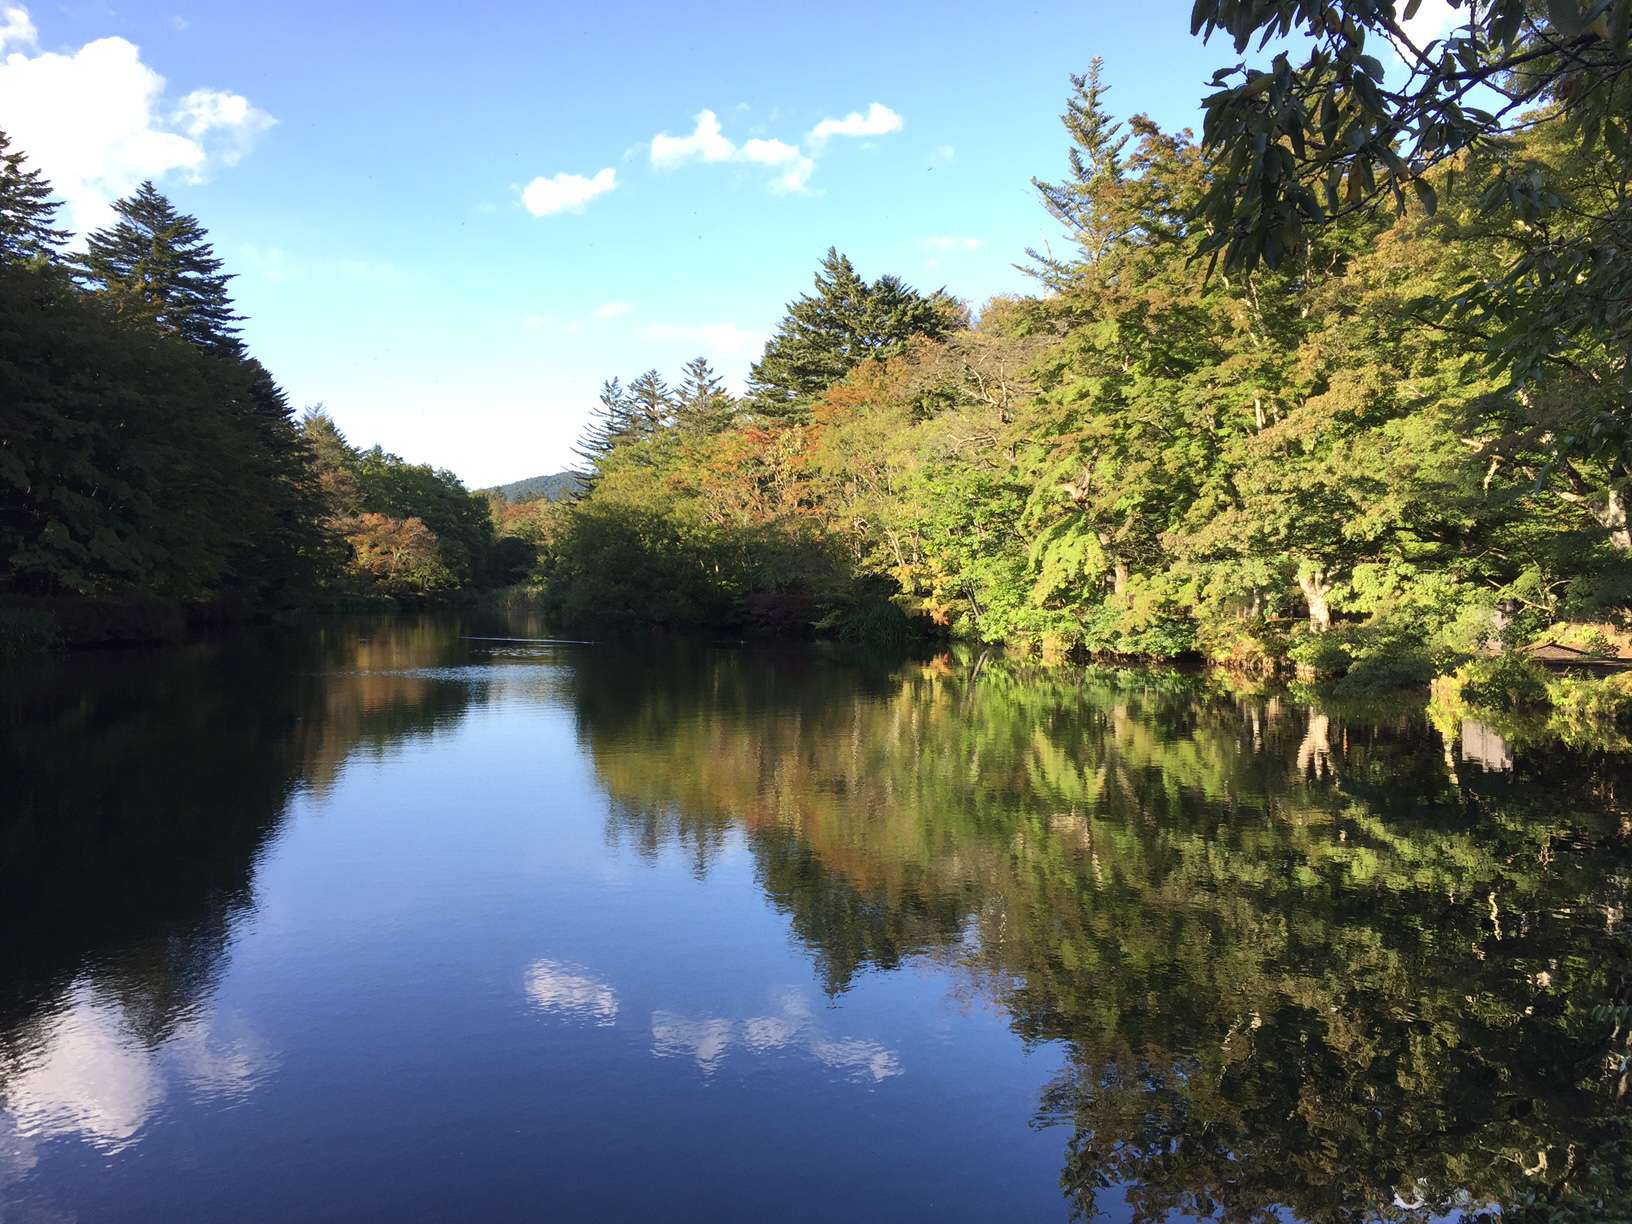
1340, 384
145, 454
551, 487
1335, 453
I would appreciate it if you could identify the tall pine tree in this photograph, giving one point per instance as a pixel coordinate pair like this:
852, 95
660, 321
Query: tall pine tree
608, 427
846, 321
702, 404
26, 211
651, 406
1080, 203
157, 263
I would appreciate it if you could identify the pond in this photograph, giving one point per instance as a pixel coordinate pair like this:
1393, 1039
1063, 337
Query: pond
394, 920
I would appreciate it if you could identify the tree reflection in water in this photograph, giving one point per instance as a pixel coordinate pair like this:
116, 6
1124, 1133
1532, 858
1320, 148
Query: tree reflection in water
141, 790
1300, 959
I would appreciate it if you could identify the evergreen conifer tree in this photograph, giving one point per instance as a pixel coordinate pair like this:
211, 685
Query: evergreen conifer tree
846, 321
702, 403
651, 406
157, 263
333, 458
26, 211
1080, 203
608, 426
287, 496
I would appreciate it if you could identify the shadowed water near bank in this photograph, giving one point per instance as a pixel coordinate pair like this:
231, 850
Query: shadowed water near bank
385, 920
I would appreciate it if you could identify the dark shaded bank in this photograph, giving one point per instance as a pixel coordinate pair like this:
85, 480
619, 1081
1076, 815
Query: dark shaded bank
35, 626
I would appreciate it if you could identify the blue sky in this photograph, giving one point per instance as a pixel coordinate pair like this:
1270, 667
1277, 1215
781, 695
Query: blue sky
367, 171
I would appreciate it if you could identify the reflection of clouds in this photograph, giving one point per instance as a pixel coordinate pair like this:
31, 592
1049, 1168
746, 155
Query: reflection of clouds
219, 1057
18, 1156
866, 1058
555, 987
765, 1033
84, 1070
705, 1040
790, 1026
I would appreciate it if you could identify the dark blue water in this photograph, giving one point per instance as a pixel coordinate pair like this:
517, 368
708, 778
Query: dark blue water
381, 922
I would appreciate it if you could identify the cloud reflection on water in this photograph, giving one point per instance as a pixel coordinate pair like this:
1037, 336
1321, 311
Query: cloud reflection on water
560, 989
82, 1069
790, 1025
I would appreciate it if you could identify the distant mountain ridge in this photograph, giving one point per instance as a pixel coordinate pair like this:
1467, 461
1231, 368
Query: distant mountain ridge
554, 487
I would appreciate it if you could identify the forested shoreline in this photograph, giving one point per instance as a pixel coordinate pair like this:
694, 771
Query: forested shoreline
152, 472
1392, 449
1337, 388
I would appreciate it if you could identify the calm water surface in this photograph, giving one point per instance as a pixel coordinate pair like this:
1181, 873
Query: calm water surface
383, 922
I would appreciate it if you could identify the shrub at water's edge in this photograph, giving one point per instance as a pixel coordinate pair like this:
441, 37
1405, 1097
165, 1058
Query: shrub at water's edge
26, 633
1527, 704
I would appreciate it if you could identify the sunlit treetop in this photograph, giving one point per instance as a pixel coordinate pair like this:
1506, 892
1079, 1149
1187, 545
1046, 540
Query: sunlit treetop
1295, 144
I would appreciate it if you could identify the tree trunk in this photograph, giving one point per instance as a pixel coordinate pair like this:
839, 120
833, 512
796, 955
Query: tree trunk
1314, 588
1315, 753
1119, 567
1613, 517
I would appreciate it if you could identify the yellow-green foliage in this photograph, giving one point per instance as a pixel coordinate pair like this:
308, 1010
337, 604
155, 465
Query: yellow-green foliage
1284, 464
1591, 699
1519, 700
1508, 681
1601, 640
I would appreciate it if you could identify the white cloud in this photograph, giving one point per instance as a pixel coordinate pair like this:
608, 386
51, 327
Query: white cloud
207, 111
16, 30
706, 143
179, 24
859, 1058
564, 192
795, 178
770, 152
1433, 19
88, 1075
879, 120
709, 143
96, 121
796, 167
946, 242
611, 310
942, 155
220, 1056
723, 339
